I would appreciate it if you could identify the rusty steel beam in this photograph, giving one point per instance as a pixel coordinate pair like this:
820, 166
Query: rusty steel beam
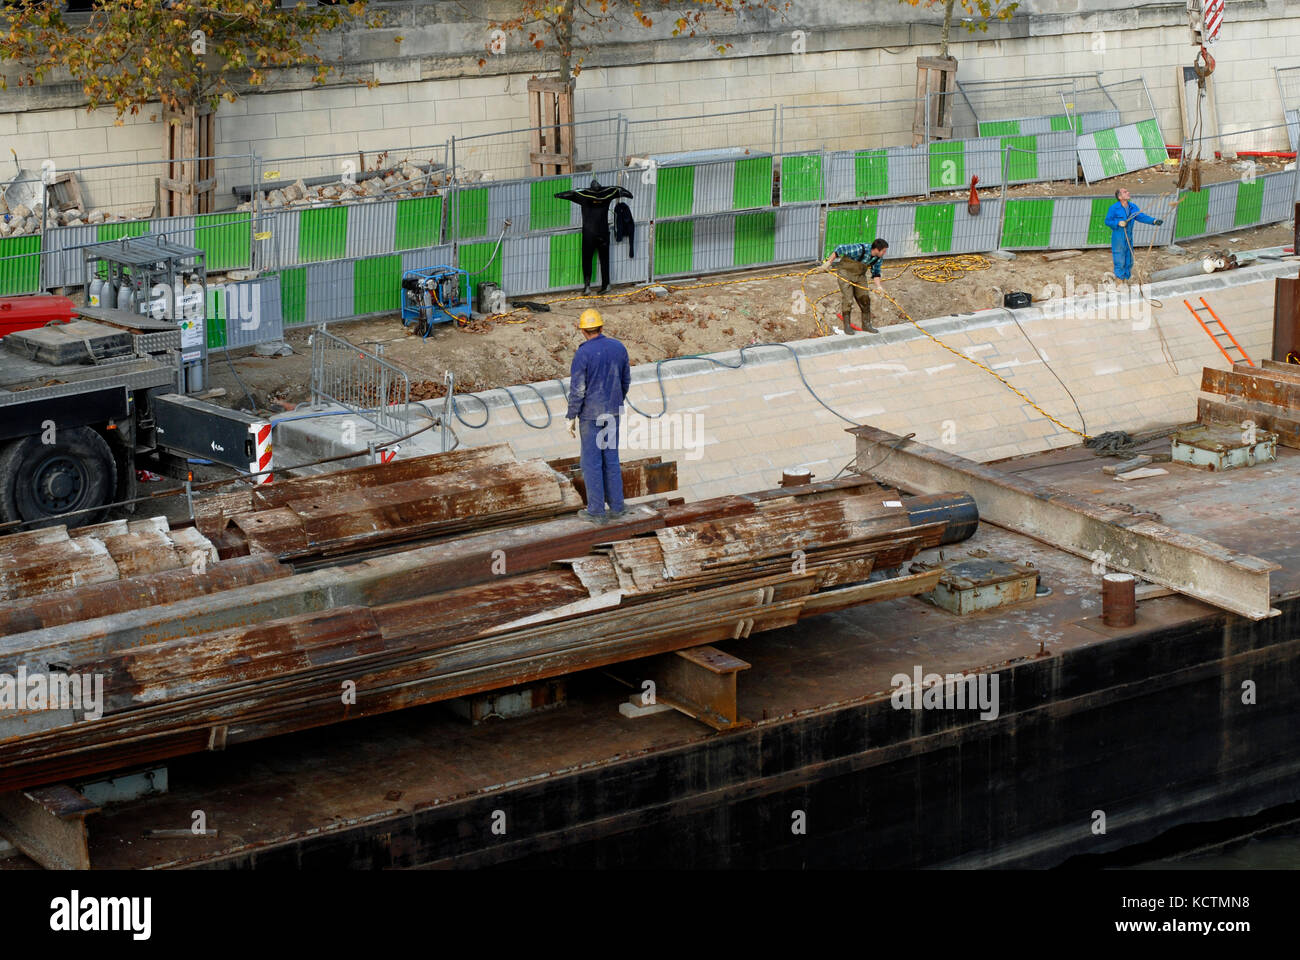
1257, 386
1199, 568
134, 593
641, 478
48, 824
1284, 422
699, 682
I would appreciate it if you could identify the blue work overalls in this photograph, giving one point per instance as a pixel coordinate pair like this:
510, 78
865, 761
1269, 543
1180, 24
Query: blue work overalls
1121, 238
599, 380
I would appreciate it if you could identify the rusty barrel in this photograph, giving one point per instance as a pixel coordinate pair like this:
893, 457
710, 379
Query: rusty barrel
1118, 600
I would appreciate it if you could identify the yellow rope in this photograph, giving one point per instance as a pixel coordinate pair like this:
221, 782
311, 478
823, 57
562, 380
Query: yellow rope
936, 270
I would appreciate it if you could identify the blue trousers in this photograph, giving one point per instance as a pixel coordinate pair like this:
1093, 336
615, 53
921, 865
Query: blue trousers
601, 471
1122, 253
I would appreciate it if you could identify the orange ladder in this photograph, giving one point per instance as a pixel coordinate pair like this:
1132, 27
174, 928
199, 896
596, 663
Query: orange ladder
1214, 319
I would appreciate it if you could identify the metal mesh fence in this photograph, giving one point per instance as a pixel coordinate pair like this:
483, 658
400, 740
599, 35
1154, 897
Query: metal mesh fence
845, 126
505, 155
1129, 136
737, 130
999, 107
1119, 103
365, 176
1247, 139
1288, 88
105, 194
359, 380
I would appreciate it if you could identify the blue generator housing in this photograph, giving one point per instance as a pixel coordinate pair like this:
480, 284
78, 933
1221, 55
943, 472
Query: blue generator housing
432, 295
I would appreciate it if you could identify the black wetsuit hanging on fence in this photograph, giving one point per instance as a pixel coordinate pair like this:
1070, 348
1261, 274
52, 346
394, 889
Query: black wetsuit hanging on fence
595, 201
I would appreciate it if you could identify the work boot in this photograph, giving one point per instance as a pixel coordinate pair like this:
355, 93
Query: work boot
616, 514
604, 289
586, 290
597, 518
869, 328
846, 327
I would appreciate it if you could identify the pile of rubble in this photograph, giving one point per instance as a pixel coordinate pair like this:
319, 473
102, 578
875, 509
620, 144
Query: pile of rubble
25, 221
406, 180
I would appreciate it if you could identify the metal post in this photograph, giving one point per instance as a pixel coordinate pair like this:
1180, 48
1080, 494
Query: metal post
1002, 207
45, 218
925, 161
453, 160
449, 382
774, 113
253, 258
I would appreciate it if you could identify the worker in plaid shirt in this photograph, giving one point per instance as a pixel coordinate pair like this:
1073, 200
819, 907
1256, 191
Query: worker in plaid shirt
850, 262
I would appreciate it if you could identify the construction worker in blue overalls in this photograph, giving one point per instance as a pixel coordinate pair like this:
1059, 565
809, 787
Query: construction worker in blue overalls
1120, 219
598, 384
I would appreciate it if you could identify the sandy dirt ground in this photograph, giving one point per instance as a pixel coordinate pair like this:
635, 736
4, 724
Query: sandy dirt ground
709, 314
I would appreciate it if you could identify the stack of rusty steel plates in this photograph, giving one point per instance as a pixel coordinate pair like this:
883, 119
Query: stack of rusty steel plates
409, 583
1267, 396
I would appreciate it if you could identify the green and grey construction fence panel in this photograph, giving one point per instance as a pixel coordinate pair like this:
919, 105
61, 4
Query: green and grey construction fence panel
289, 237
916, 229
714, 186
342, 289
1071, 223
1293, 128
223, 237
548, 262
1120, 150
244, 314
480, 210
1086, 122
20, 264
734, 241
942, 165
1235, 205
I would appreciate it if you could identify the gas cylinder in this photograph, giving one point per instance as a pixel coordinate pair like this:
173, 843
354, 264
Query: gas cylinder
95, 291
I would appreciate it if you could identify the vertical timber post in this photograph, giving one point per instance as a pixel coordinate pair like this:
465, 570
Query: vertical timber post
189, 183
933, 118
550, 107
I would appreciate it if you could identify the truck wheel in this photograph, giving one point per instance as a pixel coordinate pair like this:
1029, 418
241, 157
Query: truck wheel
41, 481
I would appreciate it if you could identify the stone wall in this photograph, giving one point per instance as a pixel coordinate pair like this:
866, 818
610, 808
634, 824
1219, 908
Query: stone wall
436, 89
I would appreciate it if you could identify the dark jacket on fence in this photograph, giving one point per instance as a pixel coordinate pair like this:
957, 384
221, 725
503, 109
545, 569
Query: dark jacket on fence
625, 227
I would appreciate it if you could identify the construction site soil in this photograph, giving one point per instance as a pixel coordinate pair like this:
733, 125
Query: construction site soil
720, 312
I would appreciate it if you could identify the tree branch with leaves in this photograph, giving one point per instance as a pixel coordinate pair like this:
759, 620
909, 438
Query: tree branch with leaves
982, 13
180, 53
567, 29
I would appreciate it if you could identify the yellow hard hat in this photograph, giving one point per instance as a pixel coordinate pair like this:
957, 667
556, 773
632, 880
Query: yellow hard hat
590, 319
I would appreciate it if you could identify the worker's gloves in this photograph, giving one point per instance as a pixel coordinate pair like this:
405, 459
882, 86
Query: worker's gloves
1159, 222
573, 428
1123, 223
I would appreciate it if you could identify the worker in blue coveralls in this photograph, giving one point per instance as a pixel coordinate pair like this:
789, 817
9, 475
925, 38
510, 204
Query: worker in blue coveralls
1120, 219
598, 383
